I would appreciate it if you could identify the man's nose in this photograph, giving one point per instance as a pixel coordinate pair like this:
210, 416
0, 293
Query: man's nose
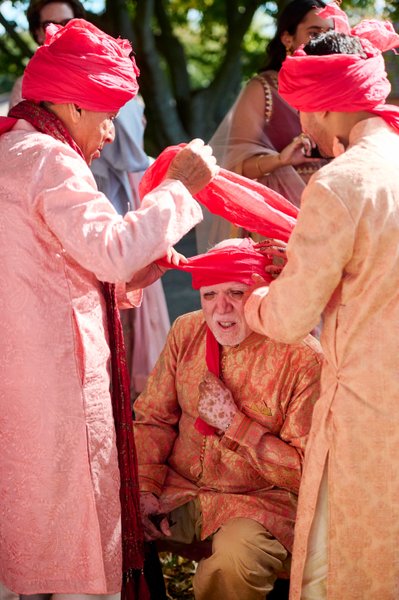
110, 134
223, 304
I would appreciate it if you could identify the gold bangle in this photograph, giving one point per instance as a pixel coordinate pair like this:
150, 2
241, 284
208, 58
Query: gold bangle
259, 157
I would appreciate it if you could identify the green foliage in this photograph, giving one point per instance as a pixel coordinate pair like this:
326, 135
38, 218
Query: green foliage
193, 60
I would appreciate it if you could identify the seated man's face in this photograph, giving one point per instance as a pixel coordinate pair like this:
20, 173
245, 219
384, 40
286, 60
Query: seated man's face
223, 309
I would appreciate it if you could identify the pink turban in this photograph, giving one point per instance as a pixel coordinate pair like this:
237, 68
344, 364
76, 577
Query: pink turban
243, 202
81, 64
237, 262
343, 82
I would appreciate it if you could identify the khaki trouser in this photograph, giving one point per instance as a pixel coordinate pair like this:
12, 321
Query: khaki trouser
314, 583
245, 562
6, 594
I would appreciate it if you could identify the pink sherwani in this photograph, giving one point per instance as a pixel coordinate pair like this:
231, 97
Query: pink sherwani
59, 479
343, 259
254, 469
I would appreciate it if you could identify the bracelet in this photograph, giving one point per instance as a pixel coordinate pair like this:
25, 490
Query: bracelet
259, 157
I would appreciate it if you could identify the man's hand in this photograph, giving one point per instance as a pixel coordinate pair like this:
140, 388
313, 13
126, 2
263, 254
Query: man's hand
153, 271
194, 165
276, 250
216, 404
155, 523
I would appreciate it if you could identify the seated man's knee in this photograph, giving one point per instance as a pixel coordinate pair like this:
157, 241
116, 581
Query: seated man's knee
244, 554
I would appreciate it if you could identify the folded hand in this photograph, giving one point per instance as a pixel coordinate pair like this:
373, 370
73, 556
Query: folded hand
216, 404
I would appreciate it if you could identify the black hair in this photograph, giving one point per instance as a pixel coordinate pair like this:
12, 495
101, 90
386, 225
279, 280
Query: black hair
288, 20
35, 6
333, 42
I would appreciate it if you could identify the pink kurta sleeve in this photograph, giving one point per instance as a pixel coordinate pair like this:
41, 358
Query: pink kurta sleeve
320, 247
278, 459
90, 230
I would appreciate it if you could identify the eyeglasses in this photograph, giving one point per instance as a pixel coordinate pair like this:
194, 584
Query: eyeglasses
45, 24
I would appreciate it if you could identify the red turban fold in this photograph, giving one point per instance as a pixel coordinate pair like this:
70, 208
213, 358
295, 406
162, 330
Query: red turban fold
243, 202
81, 64
343, 82
229, 263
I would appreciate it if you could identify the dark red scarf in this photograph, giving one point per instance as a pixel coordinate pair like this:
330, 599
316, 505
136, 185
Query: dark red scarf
134, 586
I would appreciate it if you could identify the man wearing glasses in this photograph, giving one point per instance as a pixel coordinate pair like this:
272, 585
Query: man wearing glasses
40, 14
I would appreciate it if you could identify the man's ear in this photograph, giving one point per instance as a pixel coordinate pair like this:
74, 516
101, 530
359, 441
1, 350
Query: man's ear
322, 115
74, 112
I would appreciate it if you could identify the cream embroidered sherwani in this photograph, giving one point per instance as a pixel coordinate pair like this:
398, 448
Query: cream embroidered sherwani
59, 477
254, 469
343, 260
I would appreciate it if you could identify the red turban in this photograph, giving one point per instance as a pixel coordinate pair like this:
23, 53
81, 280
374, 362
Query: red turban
81, 64
235, 262
343, 82
243, 202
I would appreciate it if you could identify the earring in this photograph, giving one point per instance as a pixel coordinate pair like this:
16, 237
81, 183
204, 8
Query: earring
289, 50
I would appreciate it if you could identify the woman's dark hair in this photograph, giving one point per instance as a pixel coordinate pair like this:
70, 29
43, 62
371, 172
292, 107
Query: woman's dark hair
288, 20
35, 6
333, 42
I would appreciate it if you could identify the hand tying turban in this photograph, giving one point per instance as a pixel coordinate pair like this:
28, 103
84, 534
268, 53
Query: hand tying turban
81, 64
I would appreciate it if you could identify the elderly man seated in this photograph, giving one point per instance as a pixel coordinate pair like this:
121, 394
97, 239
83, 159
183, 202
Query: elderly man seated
221, 429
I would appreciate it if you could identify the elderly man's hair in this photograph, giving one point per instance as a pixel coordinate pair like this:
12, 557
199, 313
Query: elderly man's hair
35, 6
334, 42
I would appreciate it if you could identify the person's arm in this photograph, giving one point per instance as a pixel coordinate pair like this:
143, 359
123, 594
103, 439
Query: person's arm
278, 459
157, 414
114, 248
247, 127
320, 247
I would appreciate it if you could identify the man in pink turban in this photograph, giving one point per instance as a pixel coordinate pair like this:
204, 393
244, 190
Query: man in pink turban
70, 523
343, 264
221, 429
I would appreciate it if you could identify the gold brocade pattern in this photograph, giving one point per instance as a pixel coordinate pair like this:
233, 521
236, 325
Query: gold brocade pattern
254, 469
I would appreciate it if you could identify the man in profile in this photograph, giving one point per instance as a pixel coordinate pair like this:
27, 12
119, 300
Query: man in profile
343, 262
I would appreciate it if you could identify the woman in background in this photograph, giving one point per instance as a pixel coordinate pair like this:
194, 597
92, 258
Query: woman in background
260, 137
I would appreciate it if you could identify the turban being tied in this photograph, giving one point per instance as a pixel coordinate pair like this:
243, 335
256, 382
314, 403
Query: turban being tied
245, 203
81, 64
343, 82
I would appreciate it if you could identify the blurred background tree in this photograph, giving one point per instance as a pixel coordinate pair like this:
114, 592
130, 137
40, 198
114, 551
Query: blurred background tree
193, 56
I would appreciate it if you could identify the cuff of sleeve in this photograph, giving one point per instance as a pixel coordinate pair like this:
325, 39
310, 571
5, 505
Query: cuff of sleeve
126, 299
252, 309
237, 431
151, 478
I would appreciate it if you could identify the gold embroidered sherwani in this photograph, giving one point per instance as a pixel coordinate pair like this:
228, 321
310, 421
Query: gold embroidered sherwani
254, 469
343, 259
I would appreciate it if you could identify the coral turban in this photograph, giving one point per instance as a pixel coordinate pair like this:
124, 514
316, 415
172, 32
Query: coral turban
243, 202
343, 82
235, 262
81, 64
